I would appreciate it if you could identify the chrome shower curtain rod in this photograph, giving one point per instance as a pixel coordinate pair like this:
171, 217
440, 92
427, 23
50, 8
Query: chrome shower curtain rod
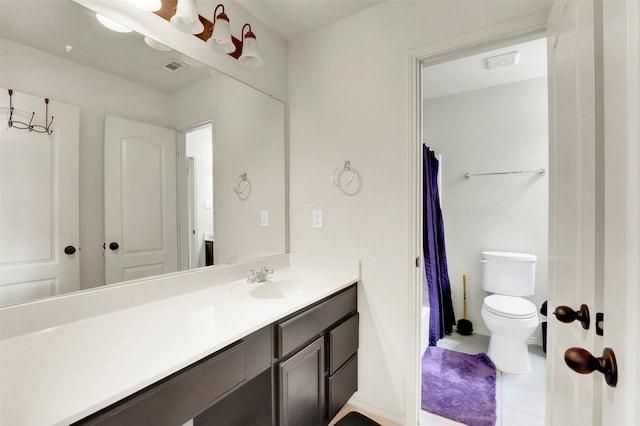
541, 172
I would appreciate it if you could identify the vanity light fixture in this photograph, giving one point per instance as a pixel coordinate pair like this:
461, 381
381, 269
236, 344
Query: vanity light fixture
148, 5
221, 34
216, 33
112, 25
186, 18
249, 56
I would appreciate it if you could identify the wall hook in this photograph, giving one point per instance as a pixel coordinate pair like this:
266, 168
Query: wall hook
30, 126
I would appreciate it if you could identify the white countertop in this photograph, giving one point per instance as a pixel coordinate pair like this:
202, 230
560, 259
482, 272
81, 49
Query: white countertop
73, 355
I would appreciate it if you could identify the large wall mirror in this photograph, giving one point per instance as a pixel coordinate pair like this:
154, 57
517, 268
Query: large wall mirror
156, 163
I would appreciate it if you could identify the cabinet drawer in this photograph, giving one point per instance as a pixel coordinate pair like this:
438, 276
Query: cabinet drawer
304, 327
343, 343
342, 385
180, 397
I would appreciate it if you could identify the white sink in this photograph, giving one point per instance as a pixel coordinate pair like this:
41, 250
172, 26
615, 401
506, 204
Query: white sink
285, 287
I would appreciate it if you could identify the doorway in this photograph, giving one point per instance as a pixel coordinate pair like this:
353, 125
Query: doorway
198, 187
485, 114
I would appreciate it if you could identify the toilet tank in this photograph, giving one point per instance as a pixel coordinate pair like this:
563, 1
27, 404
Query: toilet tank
508, 273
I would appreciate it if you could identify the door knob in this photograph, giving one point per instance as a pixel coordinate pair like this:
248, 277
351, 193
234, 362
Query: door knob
566, 314
581, 361
114, 246
69, 250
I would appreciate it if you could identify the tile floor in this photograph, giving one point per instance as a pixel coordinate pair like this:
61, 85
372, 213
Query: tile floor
520, 398
348, 408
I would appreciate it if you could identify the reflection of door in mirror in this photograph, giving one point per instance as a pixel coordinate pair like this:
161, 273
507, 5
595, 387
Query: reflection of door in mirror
140, 199
199, 157
39, 201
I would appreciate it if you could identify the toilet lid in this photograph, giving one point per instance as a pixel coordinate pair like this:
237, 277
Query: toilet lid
510, 306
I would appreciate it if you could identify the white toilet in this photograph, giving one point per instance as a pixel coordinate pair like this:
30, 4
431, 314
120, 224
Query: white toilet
511, 319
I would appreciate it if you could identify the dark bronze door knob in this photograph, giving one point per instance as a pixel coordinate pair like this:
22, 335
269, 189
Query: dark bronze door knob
566, 314
114, 246
581, 361
69, 250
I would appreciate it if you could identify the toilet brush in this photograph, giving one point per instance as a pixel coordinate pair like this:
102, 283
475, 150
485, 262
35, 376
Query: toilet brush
465, 327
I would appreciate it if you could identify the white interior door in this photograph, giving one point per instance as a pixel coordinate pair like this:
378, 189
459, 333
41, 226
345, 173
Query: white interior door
140, 200
594, 219
38, 201
572, 204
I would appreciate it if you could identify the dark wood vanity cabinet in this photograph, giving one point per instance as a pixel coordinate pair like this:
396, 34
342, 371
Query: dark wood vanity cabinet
317, 371
298, 371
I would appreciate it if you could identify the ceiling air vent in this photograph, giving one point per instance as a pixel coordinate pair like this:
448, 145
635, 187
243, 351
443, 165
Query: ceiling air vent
503, 60
173, 66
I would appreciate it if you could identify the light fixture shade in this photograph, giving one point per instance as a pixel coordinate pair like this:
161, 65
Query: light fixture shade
148, 5
112, 25
186, 18
221, 37
156, 44
250, 56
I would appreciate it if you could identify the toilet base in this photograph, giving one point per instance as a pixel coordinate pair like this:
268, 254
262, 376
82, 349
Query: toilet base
509, 355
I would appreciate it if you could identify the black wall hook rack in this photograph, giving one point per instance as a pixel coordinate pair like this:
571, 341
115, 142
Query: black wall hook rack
30, 126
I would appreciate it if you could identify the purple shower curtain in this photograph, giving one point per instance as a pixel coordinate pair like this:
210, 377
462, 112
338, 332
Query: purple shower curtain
441, 316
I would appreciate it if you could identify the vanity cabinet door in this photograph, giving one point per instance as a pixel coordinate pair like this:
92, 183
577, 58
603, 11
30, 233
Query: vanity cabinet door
302, 395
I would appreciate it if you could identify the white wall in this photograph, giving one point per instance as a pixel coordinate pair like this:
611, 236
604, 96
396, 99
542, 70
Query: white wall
501, 128
349, 101
40, 74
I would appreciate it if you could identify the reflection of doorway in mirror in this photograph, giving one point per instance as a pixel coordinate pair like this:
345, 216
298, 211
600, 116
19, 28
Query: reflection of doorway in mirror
194, 258
199, 168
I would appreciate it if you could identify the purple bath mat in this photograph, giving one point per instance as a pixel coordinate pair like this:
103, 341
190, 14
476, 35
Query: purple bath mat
459, 386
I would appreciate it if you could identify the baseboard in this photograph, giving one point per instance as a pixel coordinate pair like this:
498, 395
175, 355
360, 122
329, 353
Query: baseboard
373, 410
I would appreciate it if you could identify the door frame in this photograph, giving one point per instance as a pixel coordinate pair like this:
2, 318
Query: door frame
517, 31
184, 237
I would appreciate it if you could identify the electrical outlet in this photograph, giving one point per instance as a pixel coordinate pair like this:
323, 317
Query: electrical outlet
317, 221
264, 217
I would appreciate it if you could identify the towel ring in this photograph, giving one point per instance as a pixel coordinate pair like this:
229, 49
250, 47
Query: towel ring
342, 168
238, 186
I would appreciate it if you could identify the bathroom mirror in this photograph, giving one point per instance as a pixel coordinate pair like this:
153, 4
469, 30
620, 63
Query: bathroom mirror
58, 50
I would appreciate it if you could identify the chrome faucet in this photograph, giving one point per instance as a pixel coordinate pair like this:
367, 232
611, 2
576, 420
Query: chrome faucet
260, 276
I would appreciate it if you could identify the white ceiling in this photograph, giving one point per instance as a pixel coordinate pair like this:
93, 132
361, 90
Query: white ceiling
292, 19
470, 73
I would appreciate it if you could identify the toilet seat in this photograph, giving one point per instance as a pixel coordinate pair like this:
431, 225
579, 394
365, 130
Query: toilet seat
510, 306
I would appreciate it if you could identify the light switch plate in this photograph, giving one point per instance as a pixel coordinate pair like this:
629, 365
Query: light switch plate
208, 204
317, 220
264, 217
